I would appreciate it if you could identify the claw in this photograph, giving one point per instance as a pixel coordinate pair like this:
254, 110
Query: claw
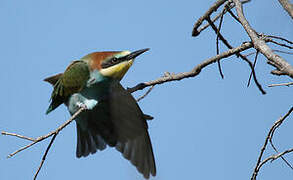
81, 105
87, 104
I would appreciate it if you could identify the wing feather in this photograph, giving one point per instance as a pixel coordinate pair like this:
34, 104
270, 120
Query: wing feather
71, 81
132, 130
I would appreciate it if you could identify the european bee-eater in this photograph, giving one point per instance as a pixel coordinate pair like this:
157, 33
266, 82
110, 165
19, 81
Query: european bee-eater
112, 116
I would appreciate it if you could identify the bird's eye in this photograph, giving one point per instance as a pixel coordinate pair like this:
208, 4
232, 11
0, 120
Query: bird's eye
114, 60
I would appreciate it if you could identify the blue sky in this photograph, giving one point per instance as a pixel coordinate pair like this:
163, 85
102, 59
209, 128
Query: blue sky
204, 127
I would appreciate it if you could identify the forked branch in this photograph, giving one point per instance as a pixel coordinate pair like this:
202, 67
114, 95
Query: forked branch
41, 138
261, 162
283, 67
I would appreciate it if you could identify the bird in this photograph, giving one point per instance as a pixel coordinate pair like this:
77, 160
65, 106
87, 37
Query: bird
112, 117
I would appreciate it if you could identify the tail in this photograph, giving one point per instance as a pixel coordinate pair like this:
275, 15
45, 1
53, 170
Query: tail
88, 142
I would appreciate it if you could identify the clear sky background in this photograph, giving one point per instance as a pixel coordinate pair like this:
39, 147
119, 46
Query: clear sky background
204, 127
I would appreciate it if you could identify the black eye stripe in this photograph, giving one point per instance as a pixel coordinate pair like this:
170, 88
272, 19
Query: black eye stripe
110, 62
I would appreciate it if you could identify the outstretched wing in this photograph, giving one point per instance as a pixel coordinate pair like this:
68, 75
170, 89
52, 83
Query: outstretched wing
133, 139
71, 81
117, 121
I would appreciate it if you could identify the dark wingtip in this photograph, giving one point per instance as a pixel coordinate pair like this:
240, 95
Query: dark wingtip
48, 110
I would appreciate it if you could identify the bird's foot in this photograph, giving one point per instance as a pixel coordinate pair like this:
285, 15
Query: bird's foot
81, 105
87, 104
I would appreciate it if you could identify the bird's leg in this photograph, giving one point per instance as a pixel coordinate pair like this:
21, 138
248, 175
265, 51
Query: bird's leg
77, 101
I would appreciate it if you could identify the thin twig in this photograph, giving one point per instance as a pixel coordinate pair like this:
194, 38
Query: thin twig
217, 42
21, 149
288, 164
280, 38
143, 96
228, 6
212, 9
281, 44
281, 84
233, 15
259, 162
254, 63
277, 125
238, 54
45, 155
274, 147
41, 138
272, 158
17, 135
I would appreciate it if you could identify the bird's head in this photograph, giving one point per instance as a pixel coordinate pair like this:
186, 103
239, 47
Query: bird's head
113, 64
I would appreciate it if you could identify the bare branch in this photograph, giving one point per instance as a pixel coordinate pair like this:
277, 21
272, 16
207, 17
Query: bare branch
281, 44
233, 15
41, 138
195, 71
217, 43
227, 8
280, 38
21, 149
212, 9
238, 54
273, 146
272, 158
17, 135
45, 155
260, 163
282, 84
288, 164
254, 63
143, 96
282, 65
287, 6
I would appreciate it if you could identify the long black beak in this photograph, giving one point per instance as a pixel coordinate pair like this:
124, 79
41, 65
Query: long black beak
113, 61
136, 53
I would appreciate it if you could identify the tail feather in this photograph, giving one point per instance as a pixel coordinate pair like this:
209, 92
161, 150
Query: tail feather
93, 148
98, 140
88, 142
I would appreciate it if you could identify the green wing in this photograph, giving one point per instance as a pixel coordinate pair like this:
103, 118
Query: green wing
71, 81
